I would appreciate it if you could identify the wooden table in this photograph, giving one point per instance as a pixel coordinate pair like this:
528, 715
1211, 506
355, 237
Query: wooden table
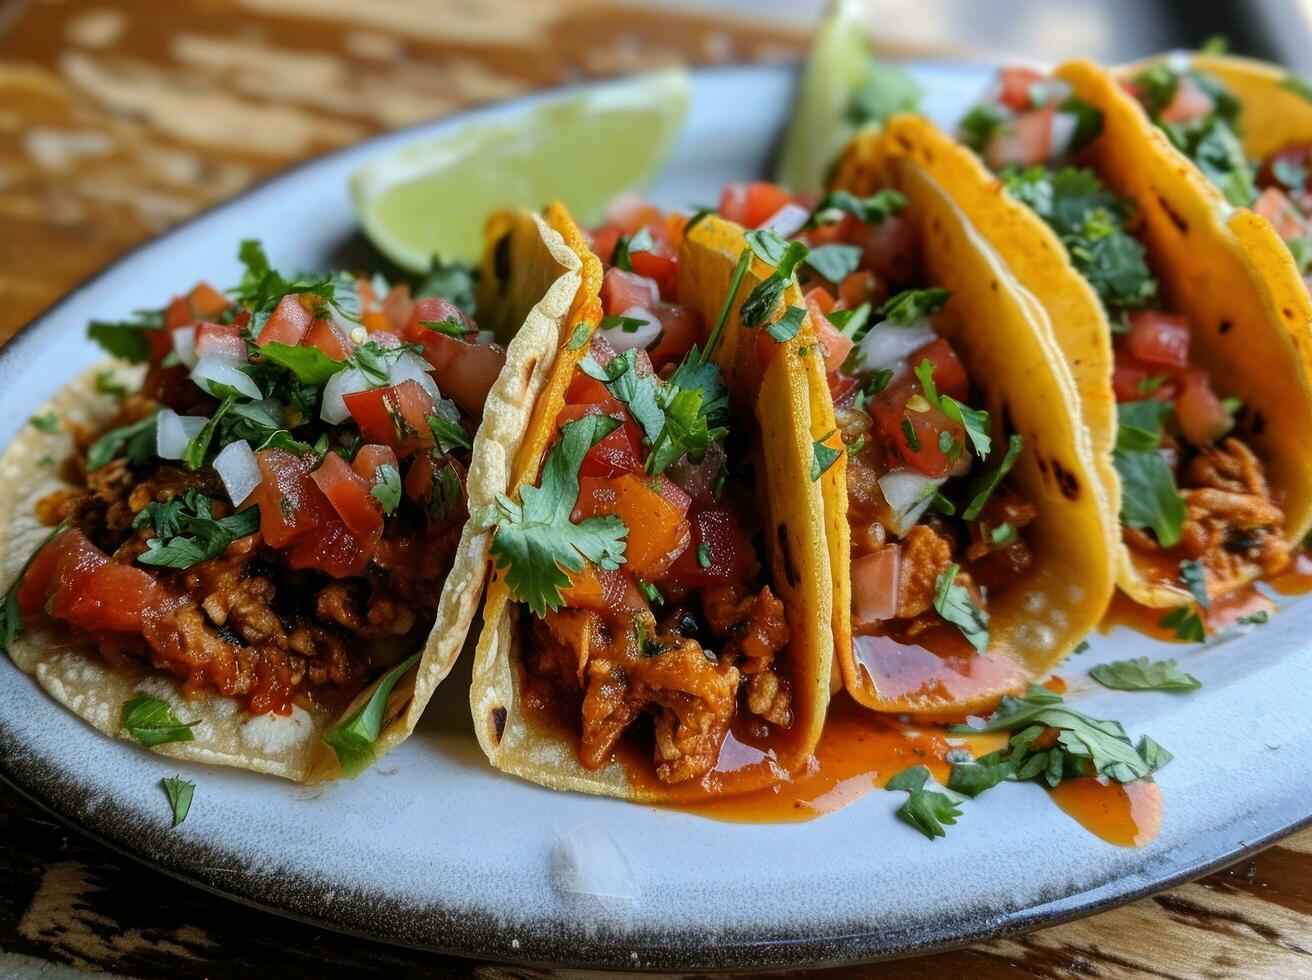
118, 119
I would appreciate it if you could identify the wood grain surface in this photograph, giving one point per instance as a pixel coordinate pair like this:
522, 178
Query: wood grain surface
118, 119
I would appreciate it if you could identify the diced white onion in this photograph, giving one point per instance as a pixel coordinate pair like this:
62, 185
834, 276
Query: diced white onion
174, 431
184, 344
907, 494
332, 409
211, 371
588, 861
887, 345
1063, 131
238, 470
787, 221
411, 367
643, 335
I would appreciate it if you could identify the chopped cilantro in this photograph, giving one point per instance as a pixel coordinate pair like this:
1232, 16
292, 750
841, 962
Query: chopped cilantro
136, 440
1142, 674
47, 422
834, 262
870, 210
535, 541
786, 327
445, 425
626, 245
1193, 578
909, 434
127, 339
107, 384
953, 602
352, 738
580, 336
912, 305
186, 531
823, 457
152, 722
309, 364
453, 281
925, 809
387, 488
982, 488
180, 792
976, 422
1186, 623
703, 555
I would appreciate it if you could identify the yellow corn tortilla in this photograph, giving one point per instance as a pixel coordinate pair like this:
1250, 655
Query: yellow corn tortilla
73, 673
1004, 338
1229, 273
546, 754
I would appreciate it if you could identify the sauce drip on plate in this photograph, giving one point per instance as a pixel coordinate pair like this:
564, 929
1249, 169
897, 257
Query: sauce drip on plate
1124, 814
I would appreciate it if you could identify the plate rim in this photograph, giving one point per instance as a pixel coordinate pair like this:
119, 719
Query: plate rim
460, 934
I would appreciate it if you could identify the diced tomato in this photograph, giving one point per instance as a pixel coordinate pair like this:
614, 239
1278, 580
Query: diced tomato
888, 248
324, 335
728, 551
660, 264
1278, 209
618, 452
395, 416
857, 287
875, 582
465, 370
1133, 380
333, 549
820, 301
434, 309
680, 329
949, 373
84, 588
398, 307
751, 205
206, 301
1015, 85
892, 418
842, 387
350, 494
1188, 103
219, 340
1202, 417
602, 589
622, 290
1025, 140
291, 505
836, 344
604, 241
369, 458
1158, 338
421, 477
290, 320
178, 313
654, 515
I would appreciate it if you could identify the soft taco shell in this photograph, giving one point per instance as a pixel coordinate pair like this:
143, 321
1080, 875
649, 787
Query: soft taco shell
1004, 339
73, 673
1227, 271
545, 753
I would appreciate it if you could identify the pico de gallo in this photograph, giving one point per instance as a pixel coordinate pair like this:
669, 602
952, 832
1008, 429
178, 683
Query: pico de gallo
651, 624
1196, 505
1201, 117
271, 515
933, 530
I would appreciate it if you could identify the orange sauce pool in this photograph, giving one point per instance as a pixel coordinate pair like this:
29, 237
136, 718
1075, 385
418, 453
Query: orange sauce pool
1297, 579
858, 752
1124, 814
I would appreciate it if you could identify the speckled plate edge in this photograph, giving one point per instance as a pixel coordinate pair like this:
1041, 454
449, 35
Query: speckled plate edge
461, 930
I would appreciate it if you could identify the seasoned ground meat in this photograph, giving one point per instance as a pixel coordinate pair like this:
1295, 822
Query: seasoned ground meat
995, 565
614, 670
926, 554
1232, 524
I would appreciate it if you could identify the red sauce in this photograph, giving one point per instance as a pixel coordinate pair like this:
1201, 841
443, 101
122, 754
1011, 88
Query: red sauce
858, 752
1228, 610
1124, 814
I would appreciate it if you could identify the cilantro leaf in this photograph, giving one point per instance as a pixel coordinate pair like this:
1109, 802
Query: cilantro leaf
954, 604
136, 439
761, 301
925, 809
352, 737
152, 722
834, 262
1193, 578
823, 457
127, 339
982, 488
786, 327
375, 361
1149, 498
735, 283
450, 327
870, 210
180, 792
445, 425
639, 392
976, 422
626, 245
193, 454
309, 364
1186, 622
387, 488
186, 531
450, 280
536, 543
913, 305
445, 496
581, 335
47, 422
107, 384
1142, 674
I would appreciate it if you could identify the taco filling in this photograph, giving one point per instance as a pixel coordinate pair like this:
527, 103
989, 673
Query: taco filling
1197, 511
651, 626
934, 530
1201, 118
271, 515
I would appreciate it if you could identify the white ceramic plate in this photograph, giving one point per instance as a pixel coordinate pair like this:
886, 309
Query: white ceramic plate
434, 849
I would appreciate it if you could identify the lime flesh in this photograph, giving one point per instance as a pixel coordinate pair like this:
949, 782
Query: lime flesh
432, 198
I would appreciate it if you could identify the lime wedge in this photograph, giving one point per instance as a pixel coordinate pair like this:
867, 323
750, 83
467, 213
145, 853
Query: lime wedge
582, 148
842, 86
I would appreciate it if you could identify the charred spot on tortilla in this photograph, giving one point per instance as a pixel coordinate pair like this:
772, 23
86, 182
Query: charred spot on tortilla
1258, 423
1181, 225
1224, 326
1066, 481
498, 718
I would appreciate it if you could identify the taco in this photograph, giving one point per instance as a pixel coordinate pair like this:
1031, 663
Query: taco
249, 546
657, 626
1186, 354
974, 549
